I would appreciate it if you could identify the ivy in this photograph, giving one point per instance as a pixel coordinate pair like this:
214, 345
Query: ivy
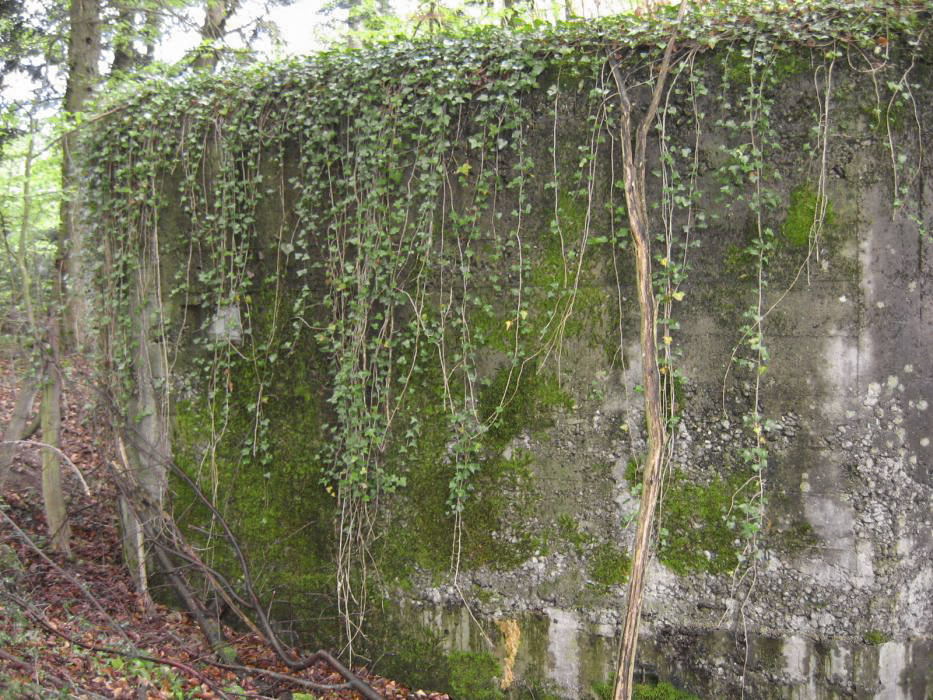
399, 179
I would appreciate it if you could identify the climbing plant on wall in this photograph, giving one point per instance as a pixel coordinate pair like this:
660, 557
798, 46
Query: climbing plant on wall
372, 210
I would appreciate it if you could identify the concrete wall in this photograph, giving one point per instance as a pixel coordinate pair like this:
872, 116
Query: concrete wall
840, 603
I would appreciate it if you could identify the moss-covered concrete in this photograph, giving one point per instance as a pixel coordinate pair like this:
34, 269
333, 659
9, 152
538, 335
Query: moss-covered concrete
546, 525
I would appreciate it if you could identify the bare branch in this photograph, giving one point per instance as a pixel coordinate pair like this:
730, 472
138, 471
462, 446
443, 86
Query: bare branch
71, 579
57, 451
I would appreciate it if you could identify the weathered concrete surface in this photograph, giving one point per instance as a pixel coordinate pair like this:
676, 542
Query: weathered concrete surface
840, 603
847, 612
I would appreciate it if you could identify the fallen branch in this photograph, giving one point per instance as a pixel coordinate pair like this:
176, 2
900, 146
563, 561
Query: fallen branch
59, 683
46, 446
43, 622
71, 579
303, 682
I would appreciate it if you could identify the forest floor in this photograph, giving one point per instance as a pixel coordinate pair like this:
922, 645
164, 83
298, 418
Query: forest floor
75, 628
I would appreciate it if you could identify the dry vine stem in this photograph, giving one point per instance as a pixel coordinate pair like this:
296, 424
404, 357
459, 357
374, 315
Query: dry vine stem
633, 169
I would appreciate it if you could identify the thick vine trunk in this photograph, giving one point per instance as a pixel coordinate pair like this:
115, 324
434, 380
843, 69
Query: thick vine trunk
633, 166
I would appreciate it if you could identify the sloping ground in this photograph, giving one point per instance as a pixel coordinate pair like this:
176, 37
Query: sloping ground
76, 628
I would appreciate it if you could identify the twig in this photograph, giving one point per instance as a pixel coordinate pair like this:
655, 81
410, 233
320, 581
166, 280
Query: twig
43, 622
323, 687
59, 683
74, 581
46, 446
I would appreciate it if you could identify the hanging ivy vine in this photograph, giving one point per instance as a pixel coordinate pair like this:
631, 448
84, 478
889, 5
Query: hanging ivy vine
400, 181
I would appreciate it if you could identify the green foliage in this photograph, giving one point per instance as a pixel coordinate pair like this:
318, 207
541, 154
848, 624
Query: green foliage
32, 233
473, 676
609, 565
145, 673
876, 637
329, 114
644, 691
803, 213
370, 215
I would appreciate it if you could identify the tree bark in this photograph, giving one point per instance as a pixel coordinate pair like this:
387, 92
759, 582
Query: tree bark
53, 497
146, 451
633, 166
216, 14
83, 78
17, 427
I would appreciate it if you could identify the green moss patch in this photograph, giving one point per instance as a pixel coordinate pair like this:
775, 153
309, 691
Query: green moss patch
797, 538
801, 212
661, 691
693, 532
474, 676
569, 531
609, 565
876, 637
502, 494
268, 480
644, 691
515, 401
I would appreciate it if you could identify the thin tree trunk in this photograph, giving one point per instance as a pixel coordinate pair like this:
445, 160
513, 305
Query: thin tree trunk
21, 255
5, 234
17, 427
125, 56
633, 165
150, 32
51, 415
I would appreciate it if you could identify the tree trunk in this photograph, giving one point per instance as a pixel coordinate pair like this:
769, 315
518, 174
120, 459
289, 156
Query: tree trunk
146, 452
51, 415
22, 261
125, 56
216, 14
633, 165
17, 427
83, 78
